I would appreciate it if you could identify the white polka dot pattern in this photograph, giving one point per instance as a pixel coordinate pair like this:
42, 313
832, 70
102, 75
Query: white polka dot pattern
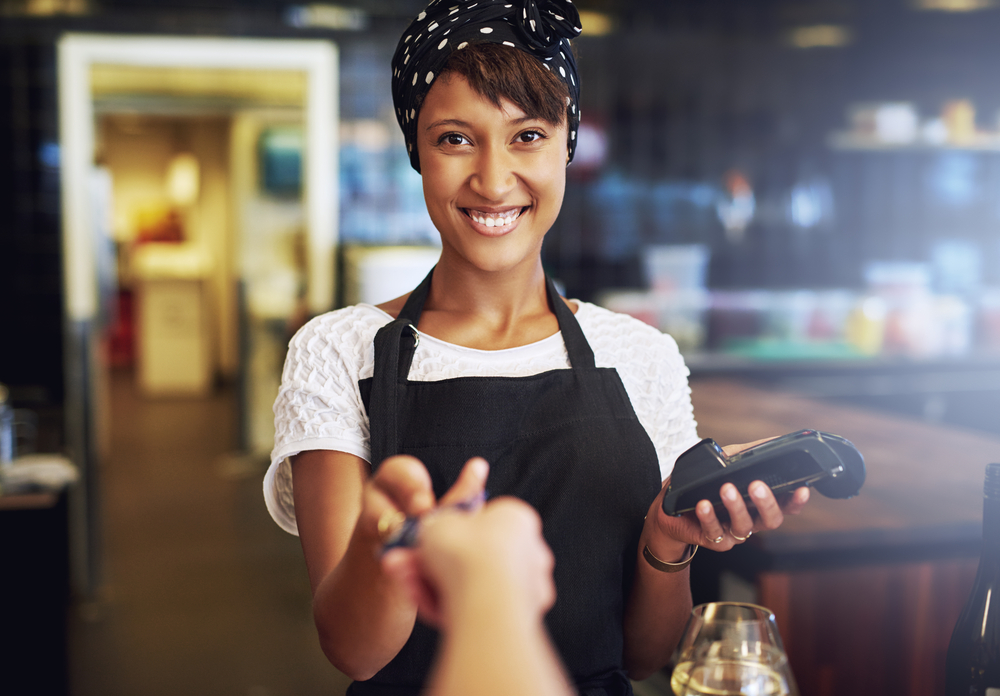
541, 28
319, 404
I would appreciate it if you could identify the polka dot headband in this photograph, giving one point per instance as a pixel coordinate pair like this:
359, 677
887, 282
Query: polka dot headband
541, 28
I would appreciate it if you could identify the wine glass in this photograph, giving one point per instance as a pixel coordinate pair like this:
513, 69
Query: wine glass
731, 649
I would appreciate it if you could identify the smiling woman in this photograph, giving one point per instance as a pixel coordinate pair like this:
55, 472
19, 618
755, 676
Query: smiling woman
388, 412
493, 174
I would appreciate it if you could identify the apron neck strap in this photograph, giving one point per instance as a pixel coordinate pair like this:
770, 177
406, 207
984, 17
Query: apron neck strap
414, 306
581, 356
580, 353
396, 342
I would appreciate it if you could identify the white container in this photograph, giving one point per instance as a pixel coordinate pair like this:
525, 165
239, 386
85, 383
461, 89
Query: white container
378, 274
635, 303
673, 267
680, 313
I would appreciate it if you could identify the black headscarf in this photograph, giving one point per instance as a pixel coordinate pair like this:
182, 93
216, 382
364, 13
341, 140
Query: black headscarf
541, 28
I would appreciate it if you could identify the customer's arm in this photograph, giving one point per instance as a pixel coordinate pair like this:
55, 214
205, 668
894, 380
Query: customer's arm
486, 580
363, 616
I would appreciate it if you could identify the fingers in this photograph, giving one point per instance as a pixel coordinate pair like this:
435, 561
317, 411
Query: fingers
399, 488
713, 533
769, 512
470, 484
517, 536
741, 523
500, 547
404, 566
517, 515
763, 512
797, 502
667, 536
403, 483
719, 536
402, 488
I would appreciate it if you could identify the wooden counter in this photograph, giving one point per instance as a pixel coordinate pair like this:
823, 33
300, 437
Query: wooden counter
867, 590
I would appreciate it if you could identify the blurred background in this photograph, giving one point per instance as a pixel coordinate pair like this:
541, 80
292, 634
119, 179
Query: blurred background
804, 193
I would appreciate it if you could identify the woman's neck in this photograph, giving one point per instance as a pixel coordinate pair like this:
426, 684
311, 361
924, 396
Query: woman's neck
505, 296
486, 311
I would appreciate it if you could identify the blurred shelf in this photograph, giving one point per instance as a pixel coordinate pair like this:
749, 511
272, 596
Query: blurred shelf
857, 376
861, 143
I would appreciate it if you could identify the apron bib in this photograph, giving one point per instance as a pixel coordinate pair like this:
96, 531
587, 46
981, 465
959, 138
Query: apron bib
567, 442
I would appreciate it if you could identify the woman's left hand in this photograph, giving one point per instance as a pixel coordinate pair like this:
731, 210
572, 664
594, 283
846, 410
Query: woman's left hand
669, 535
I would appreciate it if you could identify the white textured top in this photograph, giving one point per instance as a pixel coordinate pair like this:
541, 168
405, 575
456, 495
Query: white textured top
319, 403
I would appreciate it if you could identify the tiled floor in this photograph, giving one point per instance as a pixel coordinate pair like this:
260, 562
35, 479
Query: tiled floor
204, 595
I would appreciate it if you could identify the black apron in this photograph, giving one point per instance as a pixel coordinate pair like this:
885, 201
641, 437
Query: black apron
566, 441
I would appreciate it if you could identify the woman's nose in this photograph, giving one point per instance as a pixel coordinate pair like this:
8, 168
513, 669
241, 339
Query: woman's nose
494, 174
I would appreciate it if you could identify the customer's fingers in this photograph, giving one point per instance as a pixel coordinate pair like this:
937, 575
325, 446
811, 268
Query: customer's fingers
404, 565
470, 484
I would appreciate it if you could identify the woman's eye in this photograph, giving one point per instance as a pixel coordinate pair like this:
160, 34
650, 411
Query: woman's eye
452, 139
530, 136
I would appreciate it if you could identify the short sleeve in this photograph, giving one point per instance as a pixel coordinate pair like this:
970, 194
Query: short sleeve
319, 402
654, 374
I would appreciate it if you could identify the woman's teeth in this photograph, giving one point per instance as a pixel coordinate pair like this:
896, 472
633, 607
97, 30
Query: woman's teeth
493, 220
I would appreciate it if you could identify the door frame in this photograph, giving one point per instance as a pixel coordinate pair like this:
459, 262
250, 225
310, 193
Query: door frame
86, 415
318, 59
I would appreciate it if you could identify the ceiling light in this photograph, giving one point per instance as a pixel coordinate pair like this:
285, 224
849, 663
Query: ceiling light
596, 23
324, 16
954, 5
820, 36
46, 8
183, 179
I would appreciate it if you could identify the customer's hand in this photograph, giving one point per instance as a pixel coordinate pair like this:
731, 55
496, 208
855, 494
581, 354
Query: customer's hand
401, 487
496, 555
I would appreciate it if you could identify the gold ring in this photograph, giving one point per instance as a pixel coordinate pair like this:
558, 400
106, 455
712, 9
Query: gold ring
389, 522
716, 540
741, 539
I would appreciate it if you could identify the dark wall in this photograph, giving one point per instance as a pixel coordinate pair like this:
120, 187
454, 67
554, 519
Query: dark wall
689, 89
30, 258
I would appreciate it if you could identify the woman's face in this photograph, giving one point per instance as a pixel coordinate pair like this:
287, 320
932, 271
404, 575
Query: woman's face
493, 178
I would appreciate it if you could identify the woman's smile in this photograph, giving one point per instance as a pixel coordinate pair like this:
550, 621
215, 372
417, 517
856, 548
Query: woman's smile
494, 223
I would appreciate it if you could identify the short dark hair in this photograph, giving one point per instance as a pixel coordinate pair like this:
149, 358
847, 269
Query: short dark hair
500, 72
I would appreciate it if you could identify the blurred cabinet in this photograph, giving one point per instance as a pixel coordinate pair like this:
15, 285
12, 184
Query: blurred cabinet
174, 339
34, 553
881, 628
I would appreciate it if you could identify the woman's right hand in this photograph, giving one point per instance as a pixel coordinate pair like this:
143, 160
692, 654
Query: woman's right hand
363, 615
401, 487
497, 554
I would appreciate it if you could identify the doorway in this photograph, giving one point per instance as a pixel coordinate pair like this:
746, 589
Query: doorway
163, 143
